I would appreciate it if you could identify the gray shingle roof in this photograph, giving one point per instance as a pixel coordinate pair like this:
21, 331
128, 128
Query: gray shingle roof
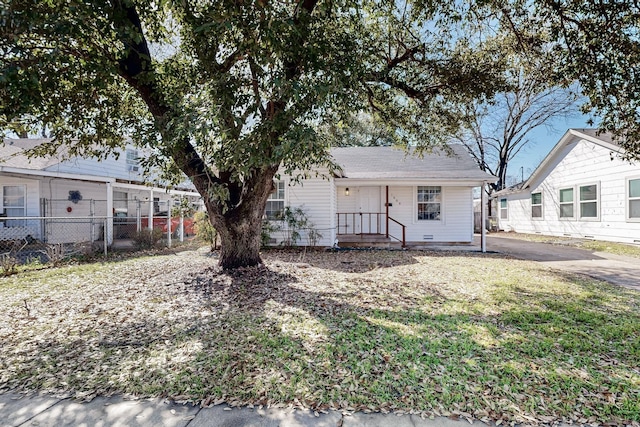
12, 154
390, 162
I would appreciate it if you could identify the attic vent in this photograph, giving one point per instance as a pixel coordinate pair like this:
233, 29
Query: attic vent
427, 237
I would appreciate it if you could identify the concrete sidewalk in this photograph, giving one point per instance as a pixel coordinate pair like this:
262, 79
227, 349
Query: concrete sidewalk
47, 411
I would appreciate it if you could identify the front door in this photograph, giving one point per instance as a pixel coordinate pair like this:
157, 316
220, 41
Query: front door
369, 208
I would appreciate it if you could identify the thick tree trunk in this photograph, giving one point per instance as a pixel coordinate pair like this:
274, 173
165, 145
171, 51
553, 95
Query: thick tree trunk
240, 243
238, 220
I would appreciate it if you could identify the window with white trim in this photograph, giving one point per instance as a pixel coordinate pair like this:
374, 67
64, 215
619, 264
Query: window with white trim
133, 160
429, 203
536, 205
633, 193
132, 157
275, 202
566, 203
588, 199
14, 204
504, 209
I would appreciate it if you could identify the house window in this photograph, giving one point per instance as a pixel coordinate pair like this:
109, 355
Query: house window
429, 203
275, 202
132, 157
14, 204
504, 209
634, 199
566, 203
536, 205
588, 201
133, 161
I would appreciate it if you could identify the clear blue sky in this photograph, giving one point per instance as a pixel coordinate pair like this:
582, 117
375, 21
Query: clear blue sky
543, 139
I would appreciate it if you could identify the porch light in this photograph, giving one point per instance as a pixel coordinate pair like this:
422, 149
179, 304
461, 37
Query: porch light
346, 191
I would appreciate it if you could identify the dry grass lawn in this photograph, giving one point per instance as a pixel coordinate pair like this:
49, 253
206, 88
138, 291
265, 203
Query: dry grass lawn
438, 333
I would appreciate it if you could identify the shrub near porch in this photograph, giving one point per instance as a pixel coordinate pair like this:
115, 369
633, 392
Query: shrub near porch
471, 335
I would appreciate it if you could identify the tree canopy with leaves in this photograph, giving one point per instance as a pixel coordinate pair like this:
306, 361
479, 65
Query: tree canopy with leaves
229, 91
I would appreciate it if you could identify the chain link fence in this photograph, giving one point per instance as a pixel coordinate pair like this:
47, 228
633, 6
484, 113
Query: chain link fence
46, 239
87, 230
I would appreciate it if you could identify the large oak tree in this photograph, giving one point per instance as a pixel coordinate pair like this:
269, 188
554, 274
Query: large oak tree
228, 91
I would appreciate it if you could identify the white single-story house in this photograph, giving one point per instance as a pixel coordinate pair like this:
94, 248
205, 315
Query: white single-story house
583, 189
73, 191
378, 195
386, 194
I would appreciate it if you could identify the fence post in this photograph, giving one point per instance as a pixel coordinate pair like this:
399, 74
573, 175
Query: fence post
92, 225
169, 223
138, 217
181, 235
106, 221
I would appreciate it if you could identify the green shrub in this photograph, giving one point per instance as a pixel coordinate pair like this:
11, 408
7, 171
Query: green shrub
8, 264
147, 239
267, 229
292, 223
204, 229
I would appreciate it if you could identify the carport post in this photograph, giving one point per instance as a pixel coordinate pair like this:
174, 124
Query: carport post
483, 215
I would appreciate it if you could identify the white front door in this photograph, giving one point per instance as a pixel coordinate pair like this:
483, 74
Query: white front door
369, 207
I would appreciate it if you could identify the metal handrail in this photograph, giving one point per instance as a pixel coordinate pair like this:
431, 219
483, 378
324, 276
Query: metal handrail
404, 232
366, 223
371, 227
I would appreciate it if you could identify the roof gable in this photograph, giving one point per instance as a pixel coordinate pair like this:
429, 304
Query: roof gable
572, 135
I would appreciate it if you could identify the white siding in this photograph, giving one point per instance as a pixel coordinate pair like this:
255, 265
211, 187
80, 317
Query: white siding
109, 167
456, 224
316, 197
579, 163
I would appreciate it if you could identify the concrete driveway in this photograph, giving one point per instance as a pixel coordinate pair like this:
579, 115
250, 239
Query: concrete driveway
616, 269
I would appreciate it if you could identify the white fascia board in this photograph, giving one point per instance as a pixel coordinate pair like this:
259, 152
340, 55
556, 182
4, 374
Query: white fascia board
141, 187
61, 175
566, 138
398, 182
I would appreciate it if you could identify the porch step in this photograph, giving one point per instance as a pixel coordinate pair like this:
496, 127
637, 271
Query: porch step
366, 241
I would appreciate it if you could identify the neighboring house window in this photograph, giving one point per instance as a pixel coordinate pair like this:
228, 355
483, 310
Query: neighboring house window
14, 204
536, 205
634, 199
133, 161
429, 203
588, 201
504, 209
566, 203
275, 202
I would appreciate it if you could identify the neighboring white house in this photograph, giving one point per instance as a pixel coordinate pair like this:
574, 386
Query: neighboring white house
73, 188
383, 193
583, 188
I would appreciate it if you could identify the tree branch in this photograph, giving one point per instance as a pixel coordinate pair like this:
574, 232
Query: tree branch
137, 69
